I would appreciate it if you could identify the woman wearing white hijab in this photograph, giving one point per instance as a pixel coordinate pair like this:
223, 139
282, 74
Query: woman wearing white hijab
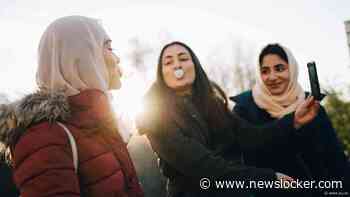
315, 156
76, 70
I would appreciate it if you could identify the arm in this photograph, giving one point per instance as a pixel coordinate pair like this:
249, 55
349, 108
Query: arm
252, 137
44, 165
192, 159
336, 160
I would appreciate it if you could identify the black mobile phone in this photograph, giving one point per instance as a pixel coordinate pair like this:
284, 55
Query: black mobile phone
315, 85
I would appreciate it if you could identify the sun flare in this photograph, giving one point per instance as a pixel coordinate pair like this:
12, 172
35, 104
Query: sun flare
128, 100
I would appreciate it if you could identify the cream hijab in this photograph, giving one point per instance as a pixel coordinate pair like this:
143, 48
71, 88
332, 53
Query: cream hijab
278, 106
71, 59
71, 56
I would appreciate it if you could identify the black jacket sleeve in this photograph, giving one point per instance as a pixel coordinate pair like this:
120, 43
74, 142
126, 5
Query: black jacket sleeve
336, 161
194, 160
252, 137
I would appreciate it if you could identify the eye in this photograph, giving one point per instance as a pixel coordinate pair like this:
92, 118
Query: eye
108, 45
183, 59
264, 71
167, 63
280, 67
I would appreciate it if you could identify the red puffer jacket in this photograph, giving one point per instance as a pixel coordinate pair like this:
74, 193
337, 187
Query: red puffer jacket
43, 163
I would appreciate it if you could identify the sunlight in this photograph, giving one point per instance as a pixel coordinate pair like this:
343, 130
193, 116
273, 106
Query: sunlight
128, 100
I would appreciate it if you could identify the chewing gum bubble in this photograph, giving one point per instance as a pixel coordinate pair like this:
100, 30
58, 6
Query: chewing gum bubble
179, 73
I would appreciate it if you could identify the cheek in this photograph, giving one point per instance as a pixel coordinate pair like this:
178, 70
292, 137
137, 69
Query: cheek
167, 75
285, 76
192, 75
190, 70
264, 78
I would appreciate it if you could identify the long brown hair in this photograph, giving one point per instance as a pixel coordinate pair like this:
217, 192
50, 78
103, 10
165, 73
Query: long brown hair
209, 99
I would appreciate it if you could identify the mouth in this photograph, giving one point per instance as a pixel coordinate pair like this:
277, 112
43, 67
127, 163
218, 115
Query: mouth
179, 73
274, 85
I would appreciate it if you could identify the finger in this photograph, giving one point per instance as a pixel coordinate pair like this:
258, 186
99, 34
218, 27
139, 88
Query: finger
309, 102
316, 107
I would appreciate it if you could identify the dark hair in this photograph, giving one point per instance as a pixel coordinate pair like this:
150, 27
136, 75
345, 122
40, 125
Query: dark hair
209, 99
275, 49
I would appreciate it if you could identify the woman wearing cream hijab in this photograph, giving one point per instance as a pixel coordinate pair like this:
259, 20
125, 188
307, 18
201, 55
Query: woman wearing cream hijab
76, 70
315, 156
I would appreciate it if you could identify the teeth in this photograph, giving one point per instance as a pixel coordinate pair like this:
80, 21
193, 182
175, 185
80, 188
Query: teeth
179, 73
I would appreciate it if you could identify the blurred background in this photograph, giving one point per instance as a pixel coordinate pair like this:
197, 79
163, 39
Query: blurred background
226, 35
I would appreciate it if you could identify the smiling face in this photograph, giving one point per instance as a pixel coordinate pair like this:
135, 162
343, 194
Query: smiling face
178, 68
274, 73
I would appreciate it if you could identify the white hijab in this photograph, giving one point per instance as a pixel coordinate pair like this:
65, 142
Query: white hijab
71, 59
71, 56
291, 98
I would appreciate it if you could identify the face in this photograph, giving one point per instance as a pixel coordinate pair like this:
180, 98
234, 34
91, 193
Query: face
112, 62
175, 58
274, 72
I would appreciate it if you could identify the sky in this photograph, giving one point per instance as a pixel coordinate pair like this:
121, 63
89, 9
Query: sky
313, 30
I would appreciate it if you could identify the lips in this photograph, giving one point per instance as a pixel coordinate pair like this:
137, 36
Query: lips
179, 73
275, 85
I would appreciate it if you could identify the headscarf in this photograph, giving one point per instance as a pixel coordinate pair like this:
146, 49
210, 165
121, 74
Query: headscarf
71, 56
278, 106
71, 59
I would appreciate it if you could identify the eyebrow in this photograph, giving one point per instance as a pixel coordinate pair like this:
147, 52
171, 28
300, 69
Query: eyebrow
107, 41
170, 56
182, 53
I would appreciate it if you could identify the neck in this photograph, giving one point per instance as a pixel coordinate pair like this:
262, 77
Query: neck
184, 92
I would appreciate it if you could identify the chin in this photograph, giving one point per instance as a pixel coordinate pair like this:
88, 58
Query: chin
276, 92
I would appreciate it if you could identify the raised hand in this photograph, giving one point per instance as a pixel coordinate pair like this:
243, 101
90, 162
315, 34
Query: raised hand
306, 112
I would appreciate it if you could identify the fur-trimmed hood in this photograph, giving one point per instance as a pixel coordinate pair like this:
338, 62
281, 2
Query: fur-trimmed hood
15, 117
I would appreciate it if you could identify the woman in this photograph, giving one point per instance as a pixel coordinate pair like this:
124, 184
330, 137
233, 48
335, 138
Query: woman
314, 155
189, 126
76, 70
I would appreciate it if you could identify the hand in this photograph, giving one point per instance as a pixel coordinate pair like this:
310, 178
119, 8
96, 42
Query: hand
284, 178
306, 112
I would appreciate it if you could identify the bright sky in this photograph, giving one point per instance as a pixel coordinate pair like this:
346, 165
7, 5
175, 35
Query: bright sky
313, 30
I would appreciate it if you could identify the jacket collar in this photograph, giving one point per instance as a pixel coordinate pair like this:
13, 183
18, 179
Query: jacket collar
82, 110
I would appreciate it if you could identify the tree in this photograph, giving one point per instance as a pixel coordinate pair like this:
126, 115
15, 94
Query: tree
339, 113
232, 66
138, 53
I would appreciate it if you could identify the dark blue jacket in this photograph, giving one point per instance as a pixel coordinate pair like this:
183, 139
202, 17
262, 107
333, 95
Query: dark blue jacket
314, 154
7, 186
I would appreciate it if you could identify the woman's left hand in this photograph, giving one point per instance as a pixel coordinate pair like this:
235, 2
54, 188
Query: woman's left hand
306, 112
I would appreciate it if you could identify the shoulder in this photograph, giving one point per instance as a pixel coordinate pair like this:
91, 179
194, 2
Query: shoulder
43, 157
38, 137
244, 99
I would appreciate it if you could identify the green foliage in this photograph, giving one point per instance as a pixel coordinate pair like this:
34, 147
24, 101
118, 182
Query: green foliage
339, 112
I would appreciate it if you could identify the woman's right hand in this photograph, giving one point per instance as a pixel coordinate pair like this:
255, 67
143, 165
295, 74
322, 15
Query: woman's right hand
306, 112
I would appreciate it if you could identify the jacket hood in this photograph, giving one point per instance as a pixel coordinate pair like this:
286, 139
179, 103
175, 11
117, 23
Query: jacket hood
29, 110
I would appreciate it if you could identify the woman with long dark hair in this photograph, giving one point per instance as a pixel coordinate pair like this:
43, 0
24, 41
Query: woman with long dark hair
191, 128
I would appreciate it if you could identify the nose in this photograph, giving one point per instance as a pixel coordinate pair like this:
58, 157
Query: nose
272, 76
177, 65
